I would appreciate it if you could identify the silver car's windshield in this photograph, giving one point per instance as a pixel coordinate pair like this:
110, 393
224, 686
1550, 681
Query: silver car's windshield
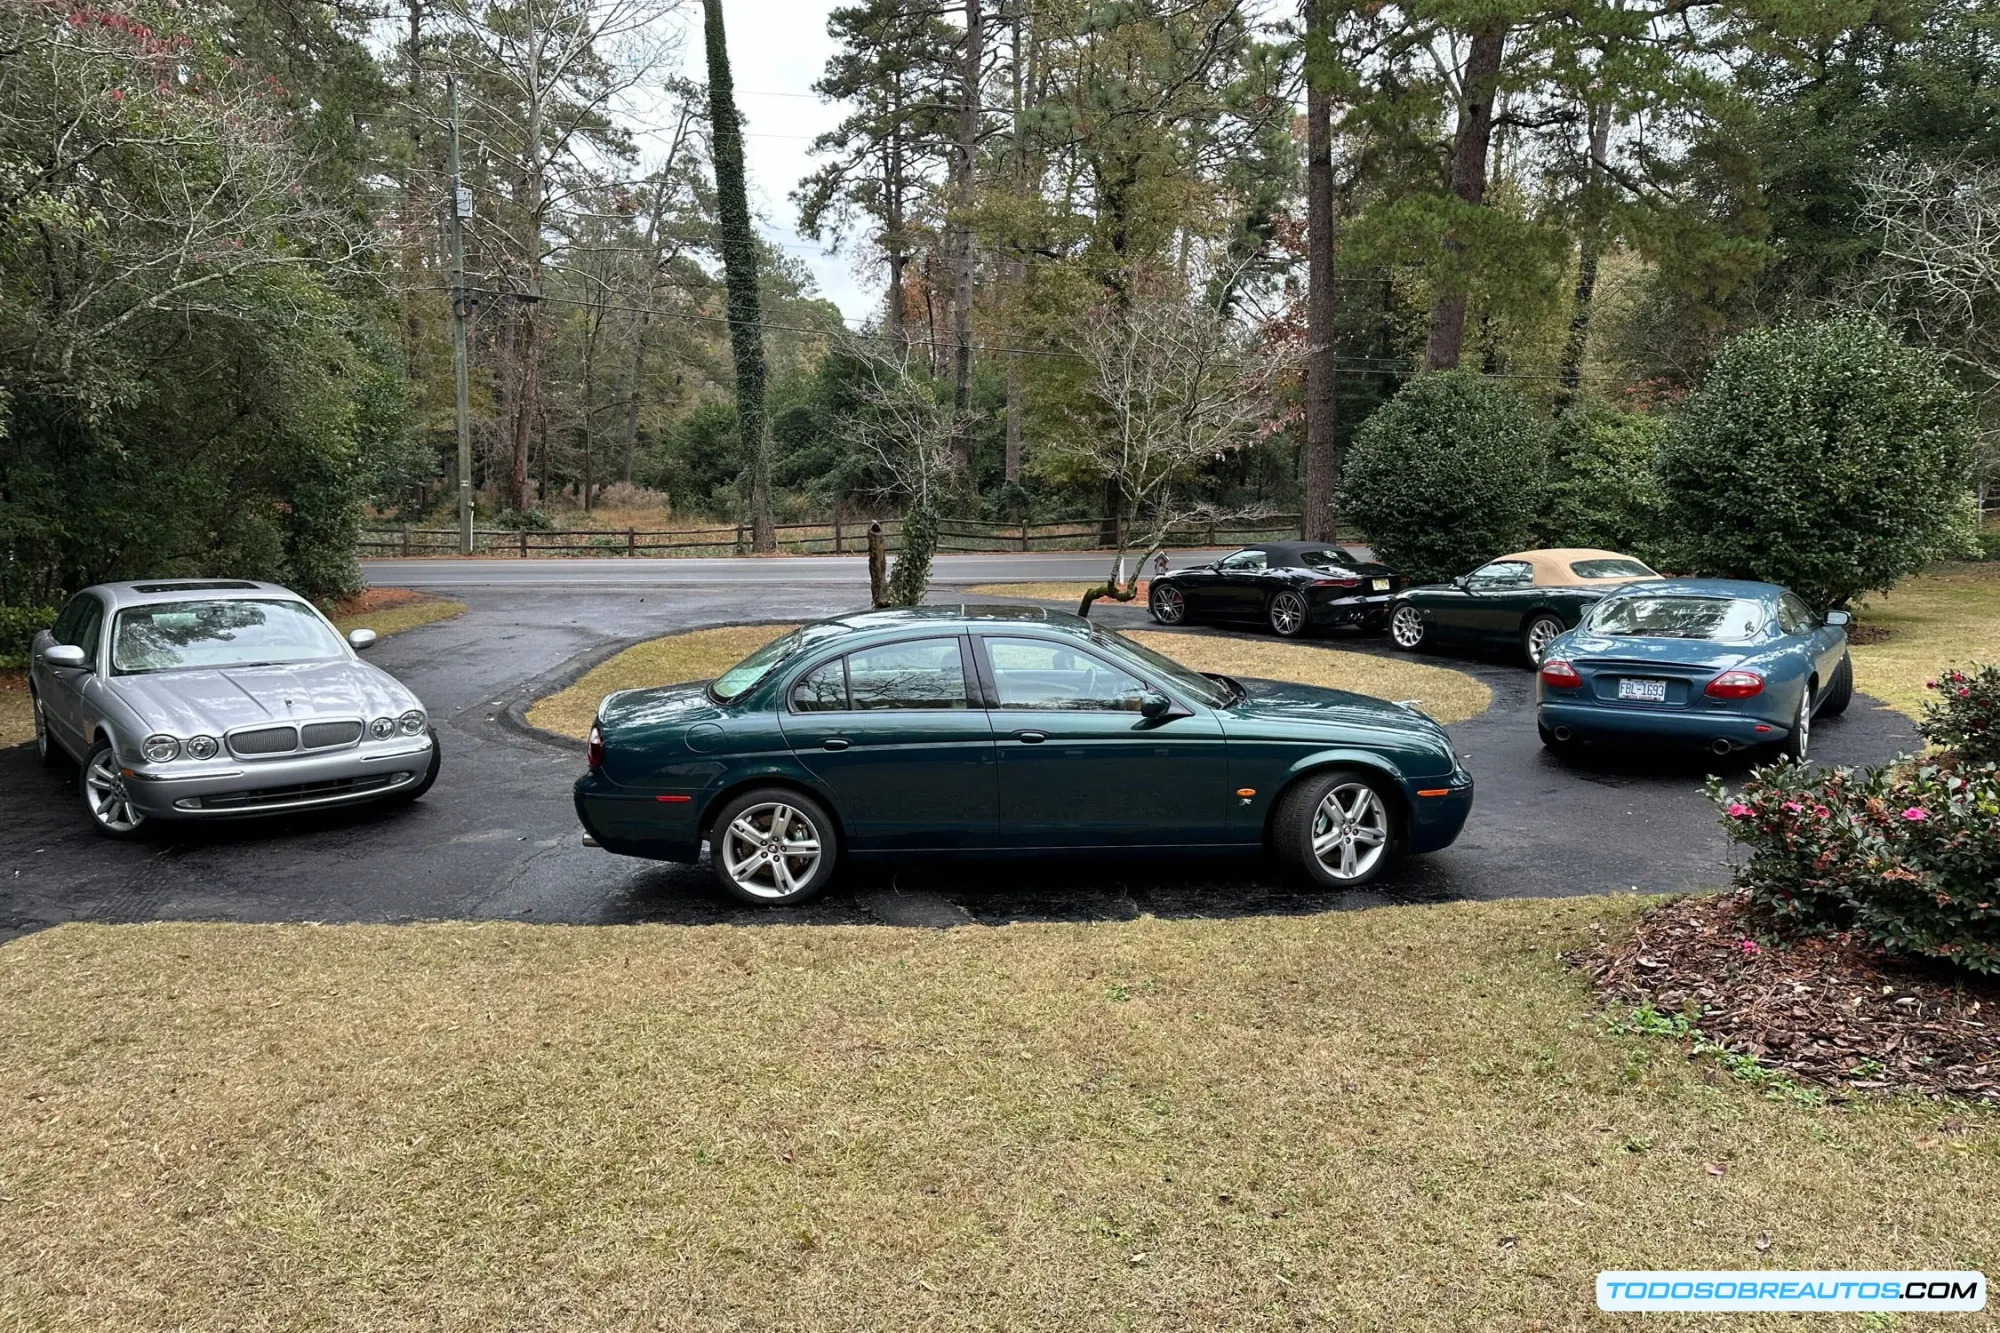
172, 636
1724, 619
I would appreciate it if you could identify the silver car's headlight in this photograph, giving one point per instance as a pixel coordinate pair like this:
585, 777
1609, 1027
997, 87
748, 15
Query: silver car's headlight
412, 722
161, 749
382, 728
203, 747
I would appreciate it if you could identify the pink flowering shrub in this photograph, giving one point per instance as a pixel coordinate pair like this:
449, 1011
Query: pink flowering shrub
1964, 714
1907, 856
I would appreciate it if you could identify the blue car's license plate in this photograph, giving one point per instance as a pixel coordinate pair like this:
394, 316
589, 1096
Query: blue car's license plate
1646, 691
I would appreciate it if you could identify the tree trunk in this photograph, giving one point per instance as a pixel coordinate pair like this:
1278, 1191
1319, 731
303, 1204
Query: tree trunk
739, 264
632, 395
1468, 182
527, 397
1322, 463
1589, 246
961, 296
892, 229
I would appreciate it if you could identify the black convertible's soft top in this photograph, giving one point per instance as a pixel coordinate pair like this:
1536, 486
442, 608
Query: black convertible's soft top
1294, 555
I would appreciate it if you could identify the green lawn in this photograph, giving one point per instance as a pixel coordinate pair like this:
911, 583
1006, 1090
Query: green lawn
1947, 616
1409, 1118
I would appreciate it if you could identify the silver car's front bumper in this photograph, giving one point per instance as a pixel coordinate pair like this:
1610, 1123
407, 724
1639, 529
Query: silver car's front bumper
218, 788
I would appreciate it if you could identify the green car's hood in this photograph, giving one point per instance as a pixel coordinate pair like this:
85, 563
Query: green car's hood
667, 705
1290, 705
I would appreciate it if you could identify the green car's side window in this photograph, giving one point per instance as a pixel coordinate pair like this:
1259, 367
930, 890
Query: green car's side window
823, 689
1501, 574
918, 673
1034, 673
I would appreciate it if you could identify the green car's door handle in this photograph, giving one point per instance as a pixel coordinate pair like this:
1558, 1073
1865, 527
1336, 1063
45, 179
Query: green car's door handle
834, 743
1031, 737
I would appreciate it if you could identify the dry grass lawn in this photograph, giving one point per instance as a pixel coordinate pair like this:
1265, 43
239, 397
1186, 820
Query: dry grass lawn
1069, 593
17, 719
1449, 696
391, 611
699, 654
1405, 1119
1949, 616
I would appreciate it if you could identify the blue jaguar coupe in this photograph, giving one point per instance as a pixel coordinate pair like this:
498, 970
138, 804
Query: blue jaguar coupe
1715, 663
982, 730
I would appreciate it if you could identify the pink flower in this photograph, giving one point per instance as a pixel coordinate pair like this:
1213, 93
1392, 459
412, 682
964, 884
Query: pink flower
1963, 693
1821, 811
1916, 814
1738, 810
1748, 946
1793, 806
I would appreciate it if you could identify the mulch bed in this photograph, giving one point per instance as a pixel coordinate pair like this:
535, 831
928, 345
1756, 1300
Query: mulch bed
378, 599
1834, 1011
1870, 633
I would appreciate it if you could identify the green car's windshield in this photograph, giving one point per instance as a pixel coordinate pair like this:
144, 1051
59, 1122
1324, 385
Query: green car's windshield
1723, 619
732, 683
226, 632
1208, 690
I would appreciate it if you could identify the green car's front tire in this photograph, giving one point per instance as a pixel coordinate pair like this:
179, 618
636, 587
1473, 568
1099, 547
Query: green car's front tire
1407, 629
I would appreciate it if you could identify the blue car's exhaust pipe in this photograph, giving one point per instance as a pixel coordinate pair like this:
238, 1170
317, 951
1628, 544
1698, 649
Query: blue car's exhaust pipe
1722, 745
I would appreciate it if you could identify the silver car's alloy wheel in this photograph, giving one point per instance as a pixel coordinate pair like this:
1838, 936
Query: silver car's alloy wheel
1540, 635
1169, 607
1350, 830
771, 850
43, 743
1288, 613
104, 788
1406, 627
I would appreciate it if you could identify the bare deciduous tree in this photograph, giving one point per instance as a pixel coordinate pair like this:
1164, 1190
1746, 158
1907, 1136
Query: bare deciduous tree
1177, 384
909, 427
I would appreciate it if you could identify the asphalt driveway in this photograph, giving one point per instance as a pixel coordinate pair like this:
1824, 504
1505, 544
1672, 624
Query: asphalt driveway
497, 838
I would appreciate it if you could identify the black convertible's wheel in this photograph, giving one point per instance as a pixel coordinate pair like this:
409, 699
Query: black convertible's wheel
1407, 629
1167, 604
1288, 614
1834, 702
773, 846
1541, 630
1337, 827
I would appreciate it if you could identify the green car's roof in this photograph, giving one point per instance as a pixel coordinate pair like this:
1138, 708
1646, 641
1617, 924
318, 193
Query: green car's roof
967, 616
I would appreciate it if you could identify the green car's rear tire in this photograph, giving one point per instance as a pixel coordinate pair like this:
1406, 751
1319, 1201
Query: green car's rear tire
1541, 630
773, 846
1838, 694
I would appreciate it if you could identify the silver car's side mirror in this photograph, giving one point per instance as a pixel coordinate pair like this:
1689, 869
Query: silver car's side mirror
64, 655
360, 639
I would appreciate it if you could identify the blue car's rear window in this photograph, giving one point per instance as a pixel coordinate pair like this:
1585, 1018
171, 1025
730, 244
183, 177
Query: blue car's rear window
1664, 616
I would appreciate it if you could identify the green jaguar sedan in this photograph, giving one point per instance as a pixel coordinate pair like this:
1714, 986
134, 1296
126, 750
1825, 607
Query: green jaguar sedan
949, 730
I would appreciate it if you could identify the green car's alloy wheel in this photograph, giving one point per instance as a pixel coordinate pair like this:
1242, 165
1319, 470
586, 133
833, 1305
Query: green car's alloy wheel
1287, 614
773, 846
1541, 631
102, 784
1407, 629
1336, 827
1168, 606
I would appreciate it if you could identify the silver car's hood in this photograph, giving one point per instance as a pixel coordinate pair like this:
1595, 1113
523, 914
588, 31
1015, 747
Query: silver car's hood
215, 701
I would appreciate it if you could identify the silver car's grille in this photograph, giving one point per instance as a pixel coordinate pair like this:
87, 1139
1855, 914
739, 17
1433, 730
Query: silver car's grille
265, 740
320, 735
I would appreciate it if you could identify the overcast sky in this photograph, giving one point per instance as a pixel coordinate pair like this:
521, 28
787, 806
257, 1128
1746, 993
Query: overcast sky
777, 48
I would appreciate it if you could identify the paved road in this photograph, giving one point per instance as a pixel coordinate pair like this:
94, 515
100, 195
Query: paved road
801, 571
496, 838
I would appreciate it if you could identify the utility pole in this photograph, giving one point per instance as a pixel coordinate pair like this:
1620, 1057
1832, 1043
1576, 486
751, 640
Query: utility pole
461, 209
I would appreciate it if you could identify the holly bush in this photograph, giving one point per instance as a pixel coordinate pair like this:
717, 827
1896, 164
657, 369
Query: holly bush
1603, 486
1824, 455
18, 626
1447, 474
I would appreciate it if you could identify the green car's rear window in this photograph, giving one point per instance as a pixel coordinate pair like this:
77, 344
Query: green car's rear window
1610, 569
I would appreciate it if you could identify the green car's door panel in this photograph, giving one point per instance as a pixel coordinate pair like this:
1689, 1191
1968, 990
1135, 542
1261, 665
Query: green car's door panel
900, 745
1080, 766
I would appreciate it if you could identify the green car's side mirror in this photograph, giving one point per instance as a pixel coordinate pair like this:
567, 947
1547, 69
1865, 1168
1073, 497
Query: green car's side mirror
1155, 706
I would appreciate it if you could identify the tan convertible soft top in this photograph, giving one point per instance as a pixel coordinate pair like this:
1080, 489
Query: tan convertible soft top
1556, 568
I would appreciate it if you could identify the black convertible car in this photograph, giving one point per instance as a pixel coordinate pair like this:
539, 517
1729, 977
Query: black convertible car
1292, 587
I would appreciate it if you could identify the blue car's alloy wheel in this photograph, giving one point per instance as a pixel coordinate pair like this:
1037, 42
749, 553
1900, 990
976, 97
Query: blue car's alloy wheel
1798, 746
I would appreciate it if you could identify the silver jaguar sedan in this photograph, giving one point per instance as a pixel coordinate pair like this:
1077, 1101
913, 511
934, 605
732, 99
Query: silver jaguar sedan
209, 698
